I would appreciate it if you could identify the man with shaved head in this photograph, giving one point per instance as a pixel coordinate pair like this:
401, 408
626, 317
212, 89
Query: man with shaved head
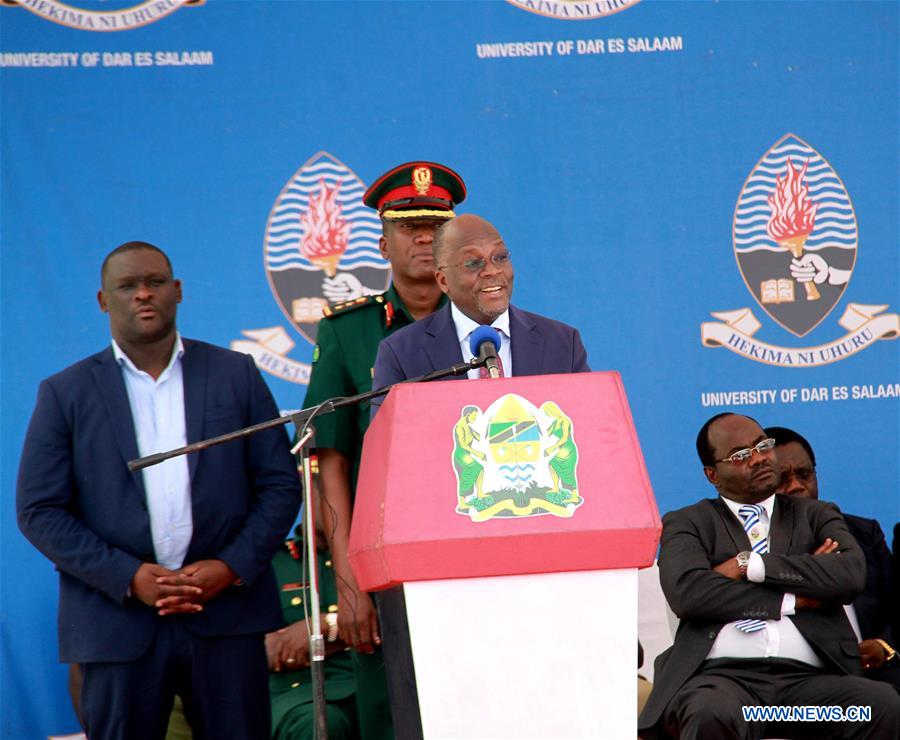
473, 267
758, 580
474, 270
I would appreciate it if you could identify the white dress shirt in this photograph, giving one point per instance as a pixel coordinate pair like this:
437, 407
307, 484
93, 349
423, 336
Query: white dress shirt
780, 638
157, 408
464, 328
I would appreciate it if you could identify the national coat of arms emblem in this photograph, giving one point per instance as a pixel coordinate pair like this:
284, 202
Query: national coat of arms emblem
515, 459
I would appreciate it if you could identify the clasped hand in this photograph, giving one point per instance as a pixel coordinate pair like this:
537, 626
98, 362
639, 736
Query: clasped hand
182, 591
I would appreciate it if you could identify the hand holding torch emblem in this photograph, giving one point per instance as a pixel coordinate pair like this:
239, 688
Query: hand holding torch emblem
793, 216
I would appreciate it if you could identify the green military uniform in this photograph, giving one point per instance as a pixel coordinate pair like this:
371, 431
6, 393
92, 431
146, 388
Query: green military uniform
347, 341
292, 697
343, 361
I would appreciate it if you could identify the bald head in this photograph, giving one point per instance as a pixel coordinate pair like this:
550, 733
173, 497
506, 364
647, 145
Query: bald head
473, 268
455, 232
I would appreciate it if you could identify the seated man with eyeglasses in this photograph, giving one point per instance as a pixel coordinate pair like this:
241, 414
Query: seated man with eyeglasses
870, 613
758, 580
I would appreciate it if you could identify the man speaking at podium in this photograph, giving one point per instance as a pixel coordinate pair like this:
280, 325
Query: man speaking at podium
474, 269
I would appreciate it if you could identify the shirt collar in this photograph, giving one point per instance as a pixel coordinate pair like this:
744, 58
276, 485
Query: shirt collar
767, 504
465, 326
125, 361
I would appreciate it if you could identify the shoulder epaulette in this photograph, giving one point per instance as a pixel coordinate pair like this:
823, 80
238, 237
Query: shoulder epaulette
342, 308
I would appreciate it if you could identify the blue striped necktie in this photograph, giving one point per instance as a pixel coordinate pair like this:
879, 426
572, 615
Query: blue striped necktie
751, 515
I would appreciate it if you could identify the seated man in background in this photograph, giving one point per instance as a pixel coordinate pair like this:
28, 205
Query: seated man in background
290, 680
758, 581
870, 613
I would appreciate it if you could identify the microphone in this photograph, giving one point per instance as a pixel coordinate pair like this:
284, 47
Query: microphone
484, 343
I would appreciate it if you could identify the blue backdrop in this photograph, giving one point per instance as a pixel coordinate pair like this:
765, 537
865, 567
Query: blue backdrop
627, 151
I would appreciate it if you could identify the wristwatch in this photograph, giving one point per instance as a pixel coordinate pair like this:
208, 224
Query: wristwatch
331, 621
743, 560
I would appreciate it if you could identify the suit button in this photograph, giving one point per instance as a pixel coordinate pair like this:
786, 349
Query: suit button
712, 635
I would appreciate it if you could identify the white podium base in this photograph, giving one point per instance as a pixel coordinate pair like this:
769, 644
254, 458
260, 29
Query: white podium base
549, 656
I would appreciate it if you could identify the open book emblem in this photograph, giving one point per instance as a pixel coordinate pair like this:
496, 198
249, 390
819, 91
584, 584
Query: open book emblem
515, 459
795, 235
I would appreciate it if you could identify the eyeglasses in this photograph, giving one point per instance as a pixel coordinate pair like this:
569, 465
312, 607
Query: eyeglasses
501, 259
742, 456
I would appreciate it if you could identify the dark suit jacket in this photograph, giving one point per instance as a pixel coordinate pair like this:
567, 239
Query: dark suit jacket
79, 505
872, 606
697, 538
540, 346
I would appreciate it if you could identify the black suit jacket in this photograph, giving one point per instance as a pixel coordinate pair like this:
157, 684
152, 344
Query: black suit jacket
79, 504
872, 606
697, 538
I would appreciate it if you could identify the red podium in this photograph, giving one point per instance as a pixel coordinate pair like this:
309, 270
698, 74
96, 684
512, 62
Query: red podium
515, 512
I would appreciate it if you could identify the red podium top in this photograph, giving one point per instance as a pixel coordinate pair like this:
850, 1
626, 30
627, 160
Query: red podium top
536, 474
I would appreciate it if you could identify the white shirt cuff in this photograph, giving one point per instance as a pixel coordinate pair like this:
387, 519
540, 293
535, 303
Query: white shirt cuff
756, 569
787, 605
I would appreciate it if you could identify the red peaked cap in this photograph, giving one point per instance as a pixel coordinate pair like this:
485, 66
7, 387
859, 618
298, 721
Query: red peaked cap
416, 190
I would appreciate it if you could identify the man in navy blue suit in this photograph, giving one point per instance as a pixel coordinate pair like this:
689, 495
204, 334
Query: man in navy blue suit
166, 585
474, 269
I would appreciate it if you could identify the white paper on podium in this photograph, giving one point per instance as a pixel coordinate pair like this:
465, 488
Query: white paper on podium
550, 656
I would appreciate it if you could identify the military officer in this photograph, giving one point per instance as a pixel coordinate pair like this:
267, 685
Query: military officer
290, 681
412, 200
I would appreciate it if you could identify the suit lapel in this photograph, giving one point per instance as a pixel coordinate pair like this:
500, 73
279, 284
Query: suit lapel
441, 344
527, 344
193, 370
111, 388
781, 527
738, 536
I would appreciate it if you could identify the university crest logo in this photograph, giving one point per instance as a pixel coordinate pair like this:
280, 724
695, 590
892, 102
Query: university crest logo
574, 10
115, 15
320, 248
515, 459
795, 241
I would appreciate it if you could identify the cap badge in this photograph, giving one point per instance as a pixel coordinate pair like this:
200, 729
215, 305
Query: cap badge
422, 179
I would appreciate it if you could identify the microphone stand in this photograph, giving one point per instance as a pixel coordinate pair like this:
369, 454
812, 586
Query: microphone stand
300, 418
316, 641
302, 421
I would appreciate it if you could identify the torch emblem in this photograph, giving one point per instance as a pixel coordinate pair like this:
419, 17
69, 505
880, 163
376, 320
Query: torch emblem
325, 230
795, 235
321, 243
793, 216
795, 241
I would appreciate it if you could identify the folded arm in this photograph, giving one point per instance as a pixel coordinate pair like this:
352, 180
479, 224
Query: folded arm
832, 577
695, 590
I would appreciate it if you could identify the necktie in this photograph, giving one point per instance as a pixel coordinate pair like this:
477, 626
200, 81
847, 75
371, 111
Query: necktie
751, 515
483, 371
